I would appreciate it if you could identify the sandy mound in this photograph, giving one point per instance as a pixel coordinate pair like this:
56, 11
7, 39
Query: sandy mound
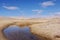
48, 30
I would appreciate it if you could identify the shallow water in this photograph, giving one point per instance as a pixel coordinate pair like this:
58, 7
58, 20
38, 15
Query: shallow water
17, 33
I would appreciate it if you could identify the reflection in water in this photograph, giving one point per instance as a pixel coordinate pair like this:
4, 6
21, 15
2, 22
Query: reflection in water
16, 33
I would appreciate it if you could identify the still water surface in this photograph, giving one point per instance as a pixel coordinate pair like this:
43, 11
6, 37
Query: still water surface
17, 33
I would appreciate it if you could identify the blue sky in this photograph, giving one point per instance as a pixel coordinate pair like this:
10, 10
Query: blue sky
29, 8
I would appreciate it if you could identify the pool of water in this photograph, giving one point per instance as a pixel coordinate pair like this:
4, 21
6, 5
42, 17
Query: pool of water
17, 33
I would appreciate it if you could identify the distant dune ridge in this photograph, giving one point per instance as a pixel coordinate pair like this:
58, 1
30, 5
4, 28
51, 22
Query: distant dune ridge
44, 28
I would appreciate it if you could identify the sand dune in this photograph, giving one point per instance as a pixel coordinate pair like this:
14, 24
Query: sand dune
46, 29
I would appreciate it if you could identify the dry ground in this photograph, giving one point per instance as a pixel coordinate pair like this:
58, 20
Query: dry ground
46, 29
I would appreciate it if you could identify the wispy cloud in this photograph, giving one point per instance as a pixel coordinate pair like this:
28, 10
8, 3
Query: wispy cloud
57, 13
10, 7
47, 3
54, 14
37, 11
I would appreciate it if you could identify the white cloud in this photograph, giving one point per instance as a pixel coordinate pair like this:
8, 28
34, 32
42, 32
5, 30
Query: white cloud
54, 14
10, 7
37, 11
57, 13
47, 3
